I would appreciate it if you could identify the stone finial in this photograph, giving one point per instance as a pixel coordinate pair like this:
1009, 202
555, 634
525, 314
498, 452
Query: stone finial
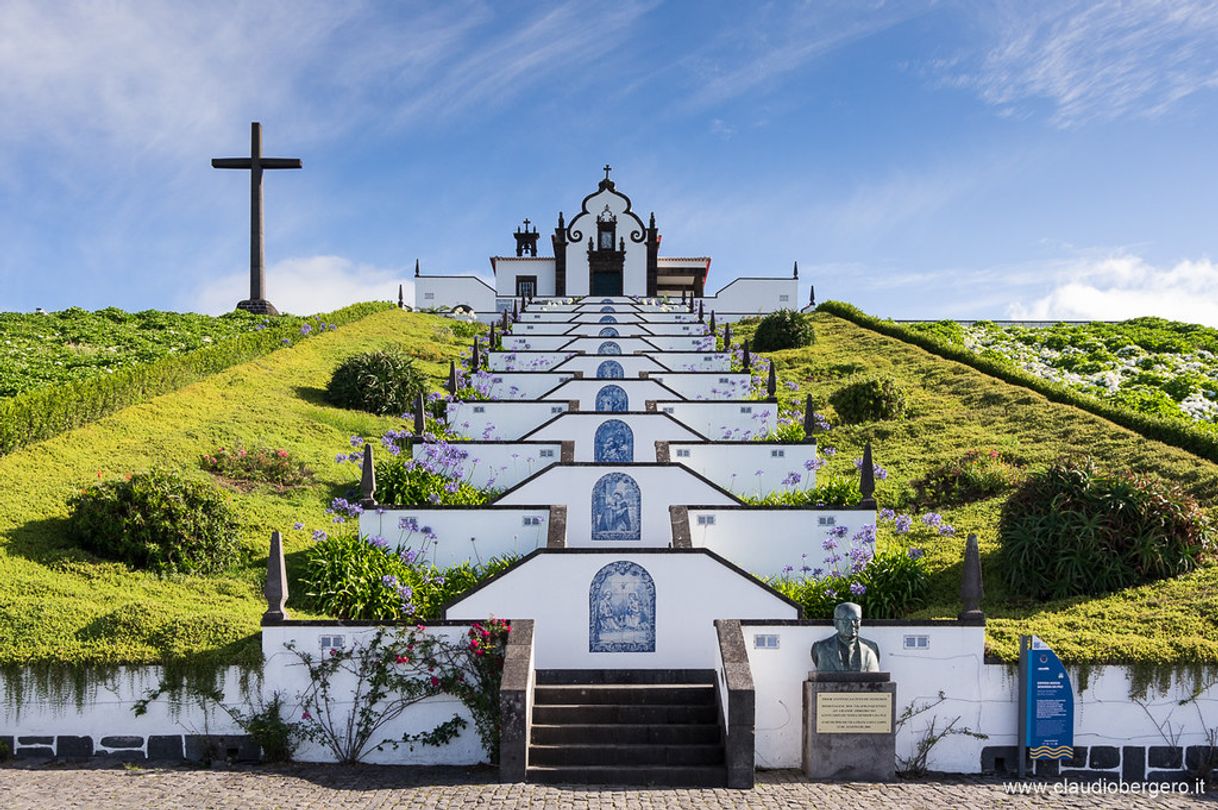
811, 295
727, 337
505, 322
712, 322
492, 340
809, 419
747, 359
401, 298
416, 268
867, 479
701, 312
476, 362
971, 587
691, 302
795, 272
276, 588
367, 480
515, 309
771, 383
420, 416
452, 378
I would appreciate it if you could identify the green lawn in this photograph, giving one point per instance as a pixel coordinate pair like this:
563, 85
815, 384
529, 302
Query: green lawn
954, 408
59, 604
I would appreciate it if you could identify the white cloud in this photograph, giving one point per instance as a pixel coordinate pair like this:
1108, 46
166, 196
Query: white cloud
1090, 61
304, 286
1126, 286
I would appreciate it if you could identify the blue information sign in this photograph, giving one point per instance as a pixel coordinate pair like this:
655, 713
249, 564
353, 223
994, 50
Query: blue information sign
1048, 704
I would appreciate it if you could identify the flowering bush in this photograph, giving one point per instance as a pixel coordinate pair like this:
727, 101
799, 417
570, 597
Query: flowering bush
976, 475
381, 382
830, 491
156, 521
1075, 530
272, 466
868, 399
437, 475
889, 585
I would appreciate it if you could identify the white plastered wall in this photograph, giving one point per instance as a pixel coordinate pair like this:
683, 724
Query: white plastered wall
452, 291
525, 361
647, 429
461, 535
502, 465
508, 269
585, 391
735, 465
507, 420
724, 420
765, 540
710, 385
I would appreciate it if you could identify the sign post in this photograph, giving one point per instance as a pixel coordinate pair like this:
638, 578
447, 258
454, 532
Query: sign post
1046, 704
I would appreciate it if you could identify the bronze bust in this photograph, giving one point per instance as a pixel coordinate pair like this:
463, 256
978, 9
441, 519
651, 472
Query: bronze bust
845, 651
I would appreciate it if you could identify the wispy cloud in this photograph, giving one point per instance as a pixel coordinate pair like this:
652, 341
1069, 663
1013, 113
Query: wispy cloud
1090, 61
1127, 286
304, 285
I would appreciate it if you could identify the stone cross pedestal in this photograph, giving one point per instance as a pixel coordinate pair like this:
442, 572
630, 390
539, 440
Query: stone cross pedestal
850, 727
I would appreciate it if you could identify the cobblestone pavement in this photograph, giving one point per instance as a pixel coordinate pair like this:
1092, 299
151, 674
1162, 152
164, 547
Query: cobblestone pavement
329, 786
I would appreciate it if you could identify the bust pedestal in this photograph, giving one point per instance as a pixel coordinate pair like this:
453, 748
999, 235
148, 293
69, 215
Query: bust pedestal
850, 726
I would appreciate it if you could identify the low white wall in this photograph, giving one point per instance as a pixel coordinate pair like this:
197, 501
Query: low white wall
682, 343
285, 671
692, 590
710, 385
453, 291
572, 343
648, 317
661, 487
735, 465
739, 420
788, 534
460, 534
522, 384
637, 329
502, 465
524, 361
631, 364
695, 361
648, 428
506, 420
585, 391
753, 296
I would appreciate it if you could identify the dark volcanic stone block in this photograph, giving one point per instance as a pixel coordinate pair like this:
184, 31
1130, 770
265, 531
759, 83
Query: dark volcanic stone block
1133, 763
35, 740
35, 753
6, 747
1047, 767
1104, 757
74, 747
166, 747
1000, 759
1166, 756
1079, 760
122, 742
222, 748
1198, 756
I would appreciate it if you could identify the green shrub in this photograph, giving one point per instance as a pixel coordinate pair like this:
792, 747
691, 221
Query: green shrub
401, 483
868, 399
892, 585
382, 382
784, 329
366, 579
156, 521
830, 492
45, 412
976, 475
1073, 530
265, 465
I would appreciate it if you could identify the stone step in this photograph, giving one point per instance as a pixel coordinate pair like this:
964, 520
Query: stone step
559, 755
695, 694
657, 775
552, 677
596, 713
626, 734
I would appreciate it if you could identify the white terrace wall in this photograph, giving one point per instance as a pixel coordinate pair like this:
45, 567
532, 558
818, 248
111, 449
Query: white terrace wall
695, 361
584, 345
647, 330
506, 420
691, 591
522, 384
525, 361
632, 364
461, 533
285, 672
984, 696
452, 291
765, 540
740, 420
753, 296
671, 343
735, 465
646, 429
502, 465
625, 316
585, 392
706, 385
659, 485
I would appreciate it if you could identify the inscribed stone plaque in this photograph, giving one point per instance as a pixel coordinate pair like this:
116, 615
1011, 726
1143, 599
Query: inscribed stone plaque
854, 713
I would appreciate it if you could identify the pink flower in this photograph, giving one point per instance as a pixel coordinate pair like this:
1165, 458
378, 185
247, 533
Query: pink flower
435, 681
306, 716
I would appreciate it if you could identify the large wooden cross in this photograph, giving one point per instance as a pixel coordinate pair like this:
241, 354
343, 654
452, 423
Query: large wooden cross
255, 163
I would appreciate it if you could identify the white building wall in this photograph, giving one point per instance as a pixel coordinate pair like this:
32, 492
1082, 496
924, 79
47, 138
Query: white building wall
583, 226
507, 270
692, 590
452, 291
661, 486
743, 297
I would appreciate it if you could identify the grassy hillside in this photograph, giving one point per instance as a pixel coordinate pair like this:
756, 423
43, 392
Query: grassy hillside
58, 603
954, 408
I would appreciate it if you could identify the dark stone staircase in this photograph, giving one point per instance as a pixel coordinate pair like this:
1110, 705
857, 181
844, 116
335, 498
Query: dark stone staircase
626, 727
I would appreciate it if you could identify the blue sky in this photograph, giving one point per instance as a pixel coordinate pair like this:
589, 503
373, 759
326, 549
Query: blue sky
921, 160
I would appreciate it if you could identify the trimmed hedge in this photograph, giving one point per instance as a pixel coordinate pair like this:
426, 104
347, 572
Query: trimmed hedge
46, 412
1168, 431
